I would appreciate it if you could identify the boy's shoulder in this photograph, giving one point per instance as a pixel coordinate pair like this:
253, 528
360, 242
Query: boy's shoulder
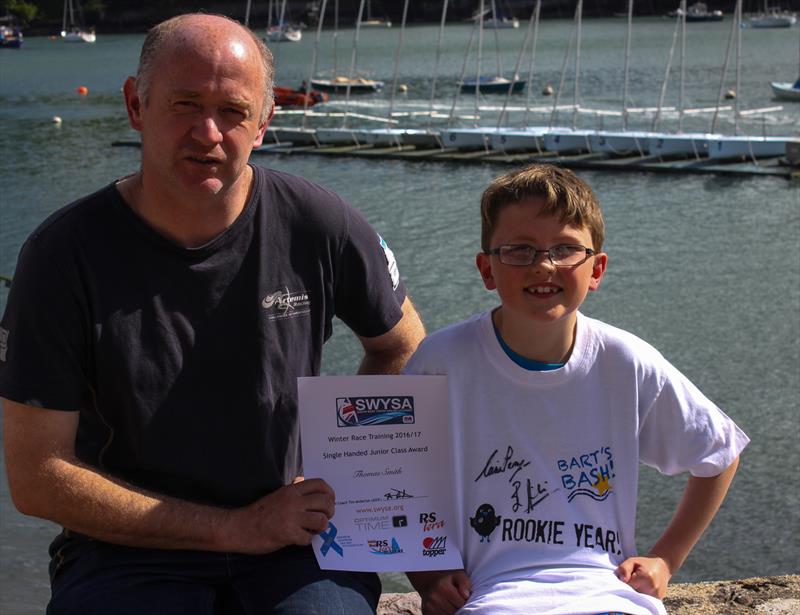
611, 340
454, 340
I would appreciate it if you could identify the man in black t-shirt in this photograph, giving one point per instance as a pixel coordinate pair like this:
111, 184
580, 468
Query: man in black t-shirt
151, 344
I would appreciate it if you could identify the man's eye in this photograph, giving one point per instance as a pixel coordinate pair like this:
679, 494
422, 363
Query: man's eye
185, 104
235, 111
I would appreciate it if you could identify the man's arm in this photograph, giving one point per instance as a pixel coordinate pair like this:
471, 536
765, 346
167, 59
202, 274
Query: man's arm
388, 353
700, 502
47, 480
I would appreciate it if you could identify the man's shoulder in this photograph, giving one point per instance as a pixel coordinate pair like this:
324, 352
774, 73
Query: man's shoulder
302, 191
81, 215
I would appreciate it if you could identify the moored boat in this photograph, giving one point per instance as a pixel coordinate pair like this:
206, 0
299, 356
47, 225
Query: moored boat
492, 85
786, 91
342, 84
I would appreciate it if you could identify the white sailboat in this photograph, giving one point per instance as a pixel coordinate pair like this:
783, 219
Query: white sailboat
772, 17
282, 31
71, 30
374, 22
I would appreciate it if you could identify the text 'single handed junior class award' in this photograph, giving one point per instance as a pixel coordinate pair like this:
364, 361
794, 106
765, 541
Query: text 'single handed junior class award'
383, 443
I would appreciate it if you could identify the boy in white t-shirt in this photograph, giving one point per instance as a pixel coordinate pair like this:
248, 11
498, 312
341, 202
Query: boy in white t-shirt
552, 414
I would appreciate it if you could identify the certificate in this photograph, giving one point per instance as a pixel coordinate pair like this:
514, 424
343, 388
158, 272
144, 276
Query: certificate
384, 444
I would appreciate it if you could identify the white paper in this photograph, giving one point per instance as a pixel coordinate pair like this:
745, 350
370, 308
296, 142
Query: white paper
384, 444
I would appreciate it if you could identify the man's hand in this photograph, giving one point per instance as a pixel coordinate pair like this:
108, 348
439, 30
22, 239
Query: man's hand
647, 575
292, 515
442, 593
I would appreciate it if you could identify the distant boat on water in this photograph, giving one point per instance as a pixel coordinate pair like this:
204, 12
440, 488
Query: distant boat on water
374, 22
10, 37
699, 12
342, 84
772, 17
72, 29
786, 91
492, 85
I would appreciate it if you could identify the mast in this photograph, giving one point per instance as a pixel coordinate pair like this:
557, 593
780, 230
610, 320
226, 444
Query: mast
537, 12
247, 14
627, 63
683, 61
397, 59
313, 67
478, 77
436, 65
576, 92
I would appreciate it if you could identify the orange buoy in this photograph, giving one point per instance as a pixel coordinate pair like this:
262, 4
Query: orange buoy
82, 90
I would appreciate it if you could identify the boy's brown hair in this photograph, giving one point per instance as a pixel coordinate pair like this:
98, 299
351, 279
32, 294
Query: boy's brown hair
561, 192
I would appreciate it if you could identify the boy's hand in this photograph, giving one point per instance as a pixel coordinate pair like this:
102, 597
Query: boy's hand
442, 593
647, 575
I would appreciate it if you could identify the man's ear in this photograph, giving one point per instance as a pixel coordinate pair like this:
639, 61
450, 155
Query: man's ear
133, 103
598, 270
484, 264
263, 128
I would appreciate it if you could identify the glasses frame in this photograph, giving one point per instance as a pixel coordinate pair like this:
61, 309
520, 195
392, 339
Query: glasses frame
536, 251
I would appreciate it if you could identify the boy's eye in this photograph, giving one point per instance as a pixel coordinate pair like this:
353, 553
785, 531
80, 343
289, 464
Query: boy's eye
562, 252
520, 250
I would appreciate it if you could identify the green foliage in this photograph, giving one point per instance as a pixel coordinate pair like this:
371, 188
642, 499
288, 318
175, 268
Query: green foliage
21, 9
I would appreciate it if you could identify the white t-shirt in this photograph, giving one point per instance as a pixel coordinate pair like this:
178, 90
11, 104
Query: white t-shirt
547, 462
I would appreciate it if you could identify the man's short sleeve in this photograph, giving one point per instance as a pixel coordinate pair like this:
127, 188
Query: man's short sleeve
42, 360
369, 291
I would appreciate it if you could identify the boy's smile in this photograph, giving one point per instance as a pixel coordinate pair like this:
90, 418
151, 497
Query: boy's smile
540, 300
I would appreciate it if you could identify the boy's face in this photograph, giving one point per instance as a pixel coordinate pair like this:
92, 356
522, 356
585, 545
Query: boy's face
540, 292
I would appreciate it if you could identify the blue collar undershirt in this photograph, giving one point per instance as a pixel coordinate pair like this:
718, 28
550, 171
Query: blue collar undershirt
524, 362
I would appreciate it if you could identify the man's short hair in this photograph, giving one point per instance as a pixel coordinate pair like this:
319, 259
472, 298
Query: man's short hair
162, 32
559, 191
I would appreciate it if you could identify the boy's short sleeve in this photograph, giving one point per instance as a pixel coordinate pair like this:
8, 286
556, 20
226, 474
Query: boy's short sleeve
685, 431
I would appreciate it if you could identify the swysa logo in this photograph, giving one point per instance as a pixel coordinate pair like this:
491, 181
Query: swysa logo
374, 410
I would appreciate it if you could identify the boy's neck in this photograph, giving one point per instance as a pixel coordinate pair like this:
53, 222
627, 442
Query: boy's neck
546, 343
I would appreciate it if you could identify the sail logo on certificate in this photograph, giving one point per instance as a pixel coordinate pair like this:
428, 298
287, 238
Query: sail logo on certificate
374, 410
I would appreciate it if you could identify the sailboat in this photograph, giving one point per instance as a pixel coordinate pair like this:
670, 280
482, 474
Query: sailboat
490, 84
374, 22
352, 83
71, 31
772, 17
282, 31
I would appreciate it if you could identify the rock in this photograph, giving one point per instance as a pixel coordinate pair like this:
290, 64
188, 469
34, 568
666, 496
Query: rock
763, 595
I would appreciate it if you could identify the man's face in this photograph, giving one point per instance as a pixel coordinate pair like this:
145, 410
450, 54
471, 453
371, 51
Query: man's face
201, 117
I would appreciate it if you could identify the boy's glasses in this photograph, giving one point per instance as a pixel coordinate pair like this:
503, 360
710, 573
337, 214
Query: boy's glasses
522, 255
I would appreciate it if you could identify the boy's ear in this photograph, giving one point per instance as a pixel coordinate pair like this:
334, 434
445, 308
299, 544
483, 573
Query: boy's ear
484, 264
598, 270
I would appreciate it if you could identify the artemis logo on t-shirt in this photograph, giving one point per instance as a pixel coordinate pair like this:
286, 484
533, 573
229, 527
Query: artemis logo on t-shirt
286, 304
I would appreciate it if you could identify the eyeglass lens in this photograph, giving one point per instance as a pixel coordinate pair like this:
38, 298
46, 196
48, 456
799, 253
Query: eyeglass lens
565, 255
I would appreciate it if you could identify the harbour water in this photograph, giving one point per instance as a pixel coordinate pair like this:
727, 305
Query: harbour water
705, 268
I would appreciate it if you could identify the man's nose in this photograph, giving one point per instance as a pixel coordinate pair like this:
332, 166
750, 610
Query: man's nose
207, 130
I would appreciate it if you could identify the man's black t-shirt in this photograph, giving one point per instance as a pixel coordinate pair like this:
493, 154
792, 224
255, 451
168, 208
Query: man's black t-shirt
183, 362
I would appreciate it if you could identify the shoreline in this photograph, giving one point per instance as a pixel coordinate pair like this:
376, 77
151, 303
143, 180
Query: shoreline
774, 595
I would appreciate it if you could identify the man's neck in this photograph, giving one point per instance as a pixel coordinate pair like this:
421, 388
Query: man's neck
187, 223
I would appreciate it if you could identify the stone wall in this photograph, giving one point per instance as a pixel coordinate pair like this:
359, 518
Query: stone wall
769, 595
